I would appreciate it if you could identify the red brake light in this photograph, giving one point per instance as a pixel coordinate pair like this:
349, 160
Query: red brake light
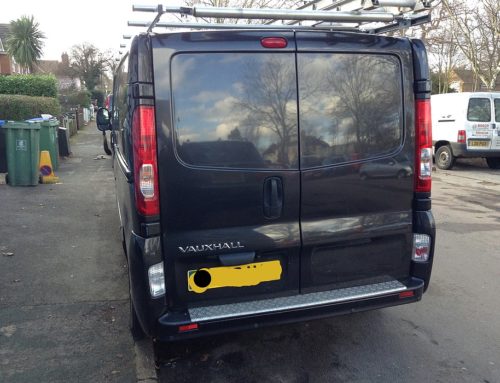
145, 162
274, 42
423, 145
406, 294
188, 327
462, 137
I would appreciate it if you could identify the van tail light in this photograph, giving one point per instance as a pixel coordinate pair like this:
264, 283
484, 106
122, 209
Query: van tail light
421, 247
423, 145
145, 161
462, 137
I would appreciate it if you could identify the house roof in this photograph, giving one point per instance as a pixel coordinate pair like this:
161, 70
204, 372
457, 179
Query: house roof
467, 76
4, 31
47, 66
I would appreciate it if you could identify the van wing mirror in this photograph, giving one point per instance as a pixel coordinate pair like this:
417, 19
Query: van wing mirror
103, 119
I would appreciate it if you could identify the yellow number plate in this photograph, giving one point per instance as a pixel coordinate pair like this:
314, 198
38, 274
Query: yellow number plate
478, 143
252, 274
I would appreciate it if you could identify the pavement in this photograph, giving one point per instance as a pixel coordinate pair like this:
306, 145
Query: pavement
63, 276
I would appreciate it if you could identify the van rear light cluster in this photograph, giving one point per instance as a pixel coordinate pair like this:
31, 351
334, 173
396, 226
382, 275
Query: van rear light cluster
421, 247
145, 161
462, 137
423, 145
156, 278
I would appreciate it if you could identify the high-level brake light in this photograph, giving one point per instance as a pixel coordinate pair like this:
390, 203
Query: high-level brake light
274, 42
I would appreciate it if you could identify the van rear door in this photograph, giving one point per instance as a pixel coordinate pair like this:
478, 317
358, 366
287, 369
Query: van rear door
479, 125
496, 124
226, 110
357, 155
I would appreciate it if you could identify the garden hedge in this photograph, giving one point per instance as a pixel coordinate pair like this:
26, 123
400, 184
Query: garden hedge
18, 108
29, 85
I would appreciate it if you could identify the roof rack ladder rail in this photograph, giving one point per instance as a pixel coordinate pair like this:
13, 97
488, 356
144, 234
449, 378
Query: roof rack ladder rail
359, 5
204, 25
288, 14
362, 12
272, 14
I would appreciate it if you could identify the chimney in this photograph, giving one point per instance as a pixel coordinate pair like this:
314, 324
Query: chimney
65, 60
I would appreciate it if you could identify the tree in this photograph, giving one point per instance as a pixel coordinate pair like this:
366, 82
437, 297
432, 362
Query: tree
477, 32
89, 64
24, 42
443, 49
270, 98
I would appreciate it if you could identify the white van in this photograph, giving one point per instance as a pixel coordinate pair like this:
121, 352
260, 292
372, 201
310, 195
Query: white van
466, 125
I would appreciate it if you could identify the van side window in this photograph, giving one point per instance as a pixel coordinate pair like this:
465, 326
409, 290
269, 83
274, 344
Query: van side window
120, 106
236, 110
479, 110
497, 109
351, 107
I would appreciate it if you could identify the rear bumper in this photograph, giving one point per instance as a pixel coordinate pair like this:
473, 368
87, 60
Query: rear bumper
461, 151
167, 327
164, 325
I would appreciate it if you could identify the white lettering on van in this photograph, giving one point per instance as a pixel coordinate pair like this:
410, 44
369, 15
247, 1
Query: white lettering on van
210, 247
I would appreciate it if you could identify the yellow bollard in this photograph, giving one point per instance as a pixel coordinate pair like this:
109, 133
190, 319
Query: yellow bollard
47, 175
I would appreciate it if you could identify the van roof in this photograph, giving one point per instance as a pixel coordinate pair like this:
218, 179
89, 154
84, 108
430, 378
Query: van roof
466, 94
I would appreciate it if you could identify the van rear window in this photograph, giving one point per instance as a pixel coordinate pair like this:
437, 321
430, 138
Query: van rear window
236, 110
479, 110
350, 107
497, 109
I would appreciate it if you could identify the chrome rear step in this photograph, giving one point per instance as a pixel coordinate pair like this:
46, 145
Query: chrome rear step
208, 313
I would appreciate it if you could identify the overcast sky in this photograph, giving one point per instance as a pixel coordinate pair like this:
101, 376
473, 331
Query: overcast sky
69, 22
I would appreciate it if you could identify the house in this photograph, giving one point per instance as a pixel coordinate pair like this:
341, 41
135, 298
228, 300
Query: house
7, 63
464, 80
61, 70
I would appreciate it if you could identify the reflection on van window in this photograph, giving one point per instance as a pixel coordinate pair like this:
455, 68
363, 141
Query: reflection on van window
350, 107
235, 110
479, 110
497, 109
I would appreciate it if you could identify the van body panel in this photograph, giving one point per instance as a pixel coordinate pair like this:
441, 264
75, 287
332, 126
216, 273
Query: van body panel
356, 210
264, 156
218, 194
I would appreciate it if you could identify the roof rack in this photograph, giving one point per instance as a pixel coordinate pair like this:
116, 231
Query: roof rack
370, 16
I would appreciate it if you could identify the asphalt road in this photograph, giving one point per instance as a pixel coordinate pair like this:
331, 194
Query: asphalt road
452, 335
63, 298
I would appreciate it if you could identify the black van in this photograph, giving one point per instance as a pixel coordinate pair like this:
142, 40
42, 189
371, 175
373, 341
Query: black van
240, 160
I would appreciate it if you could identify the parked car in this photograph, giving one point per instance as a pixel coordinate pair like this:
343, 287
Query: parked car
466, 125
231, 215
392, 167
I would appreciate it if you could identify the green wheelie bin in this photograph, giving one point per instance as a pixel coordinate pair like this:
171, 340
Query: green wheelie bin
48, 139
22, 142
